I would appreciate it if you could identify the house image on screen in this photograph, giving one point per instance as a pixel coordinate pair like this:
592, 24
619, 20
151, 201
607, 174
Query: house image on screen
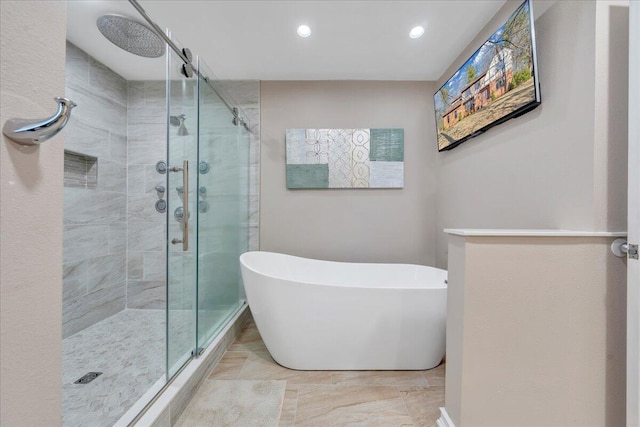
488, 86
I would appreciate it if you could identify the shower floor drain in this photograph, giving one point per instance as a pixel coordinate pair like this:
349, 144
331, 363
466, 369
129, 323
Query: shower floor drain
88, 377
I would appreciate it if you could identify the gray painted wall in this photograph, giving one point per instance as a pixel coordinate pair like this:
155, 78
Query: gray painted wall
369, 225
561, 166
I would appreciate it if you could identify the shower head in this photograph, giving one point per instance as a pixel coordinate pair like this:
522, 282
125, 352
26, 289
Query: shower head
176, 120
131, 35
179, 121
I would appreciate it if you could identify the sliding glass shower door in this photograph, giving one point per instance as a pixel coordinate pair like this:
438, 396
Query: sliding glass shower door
182, 212
155, 218
223, 208
208, 181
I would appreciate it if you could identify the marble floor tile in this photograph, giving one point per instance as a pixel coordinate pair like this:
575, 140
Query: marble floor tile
336, 405
423, 404
229, 367
129, 349
335, 398
261, 366
223, 403
379, 378
289, 405
435, 376
249, 340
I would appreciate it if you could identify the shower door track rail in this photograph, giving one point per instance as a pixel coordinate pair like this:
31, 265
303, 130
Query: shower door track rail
156, 28
221, 332
155, 398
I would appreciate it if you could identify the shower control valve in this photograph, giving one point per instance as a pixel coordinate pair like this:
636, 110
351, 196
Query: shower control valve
161, 205
178, 214
203, 167
161, 167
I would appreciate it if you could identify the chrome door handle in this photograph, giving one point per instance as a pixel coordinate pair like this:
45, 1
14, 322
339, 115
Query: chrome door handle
185, 205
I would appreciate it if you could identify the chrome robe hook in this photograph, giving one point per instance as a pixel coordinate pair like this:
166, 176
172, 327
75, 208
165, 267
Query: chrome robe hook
36, 131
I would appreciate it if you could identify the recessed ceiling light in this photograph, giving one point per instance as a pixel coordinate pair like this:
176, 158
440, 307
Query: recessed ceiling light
416, 32
304, 31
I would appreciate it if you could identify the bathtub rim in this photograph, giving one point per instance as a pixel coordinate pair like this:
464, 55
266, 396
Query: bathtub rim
440, 286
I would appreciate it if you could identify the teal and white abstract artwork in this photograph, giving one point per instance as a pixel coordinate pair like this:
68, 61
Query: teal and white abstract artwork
345, 158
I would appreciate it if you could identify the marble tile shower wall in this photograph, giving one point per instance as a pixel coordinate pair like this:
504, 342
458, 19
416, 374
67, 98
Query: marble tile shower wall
181, 282
232, 155
247, 94
224, 224
146, 145
146, 108
95, 227
114, 240
146, 241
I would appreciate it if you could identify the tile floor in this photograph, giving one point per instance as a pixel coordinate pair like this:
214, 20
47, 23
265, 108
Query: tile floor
325, 398
130, 349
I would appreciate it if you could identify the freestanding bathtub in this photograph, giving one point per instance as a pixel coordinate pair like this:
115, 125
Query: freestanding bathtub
321, 315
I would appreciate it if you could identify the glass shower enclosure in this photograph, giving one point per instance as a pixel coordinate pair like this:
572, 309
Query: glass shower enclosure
223, 208
207, 195
156, 216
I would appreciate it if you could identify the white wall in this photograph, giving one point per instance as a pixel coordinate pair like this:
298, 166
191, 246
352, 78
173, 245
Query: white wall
530, 346
32, 57
535, 330
561, 166
372, 225
611, 117
633, 268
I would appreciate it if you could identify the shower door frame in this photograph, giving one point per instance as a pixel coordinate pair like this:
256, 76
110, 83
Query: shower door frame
181, 248
633, 222
223, 145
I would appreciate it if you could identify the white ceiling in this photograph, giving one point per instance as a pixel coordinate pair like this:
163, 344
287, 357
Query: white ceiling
83, 32
365, 40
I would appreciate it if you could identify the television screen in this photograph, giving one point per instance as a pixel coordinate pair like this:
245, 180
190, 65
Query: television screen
498, 82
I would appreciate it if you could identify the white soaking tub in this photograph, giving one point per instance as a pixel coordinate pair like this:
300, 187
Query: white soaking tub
322, 315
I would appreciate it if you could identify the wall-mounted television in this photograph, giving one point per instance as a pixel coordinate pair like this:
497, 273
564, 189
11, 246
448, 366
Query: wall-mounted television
497, 83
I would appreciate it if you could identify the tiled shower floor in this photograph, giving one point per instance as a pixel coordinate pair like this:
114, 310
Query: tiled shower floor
284, 397
129, 349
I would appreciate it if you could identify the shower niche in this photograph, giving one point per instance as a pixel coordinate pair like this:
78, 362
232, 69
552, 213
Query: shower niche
80, 170
144, 293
